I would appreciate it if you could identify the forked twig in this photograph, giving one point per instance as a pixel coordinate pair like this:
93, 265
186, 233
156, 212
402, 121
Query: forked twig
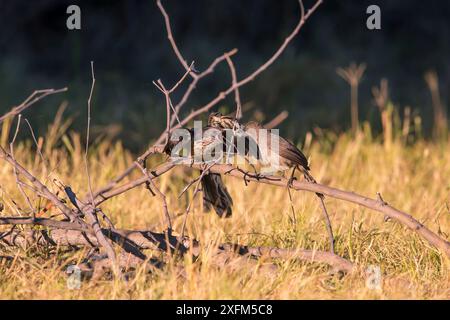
303, 18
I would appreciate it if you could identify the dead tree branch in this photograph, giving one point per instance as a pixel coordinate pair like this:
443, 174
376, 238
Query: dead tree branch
88, 128
254, 74
133, 184
32, 99
16, 174
38, 185
373, 204
303, 18
172, 40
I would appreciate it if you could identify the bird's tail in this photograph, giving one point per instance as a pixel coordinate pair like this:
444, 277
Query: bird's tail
310, 178
215, 194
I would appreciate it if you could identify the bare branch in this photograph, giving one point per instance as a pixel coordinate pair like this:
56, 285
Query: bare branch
254, 74
88, 127
373, 204
166, 93
172, 40
386, 209
237, 96
275, 122
65, 225
303, 18
182, 78
32, 99
39, 185
103, 196
101, 192
16, 174
194, 82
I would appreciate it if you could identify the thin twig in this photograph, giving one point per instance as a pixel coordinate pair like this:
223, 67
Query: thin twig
237, 96
86, 165
166, 93
38, 148
16, 174
32, 99
194, 83
172, 40
39, 185
275, 122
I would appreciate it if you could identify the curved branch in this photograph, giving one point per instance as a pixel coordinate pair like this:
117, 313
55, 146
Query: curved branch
373, 204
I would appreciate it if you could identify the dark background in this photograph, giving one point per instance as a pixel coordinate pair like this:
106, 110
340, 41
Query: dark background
127, 41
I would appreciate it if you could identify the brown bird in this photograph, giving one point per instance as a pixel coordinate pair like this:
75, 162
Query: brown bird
218, 120
234, 137
287, 157
215, 193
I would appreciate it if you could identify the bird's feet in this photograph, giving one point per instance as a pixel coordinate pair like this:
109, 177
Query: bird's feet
245, 173
256, 174
291, 182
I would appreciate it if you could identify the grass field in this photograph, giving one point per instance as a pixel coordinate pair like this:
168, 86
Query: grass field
414, 178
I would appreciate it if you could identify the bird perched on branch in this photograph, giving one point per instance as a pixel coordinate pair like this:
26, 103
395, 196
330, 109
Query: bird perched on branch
274, 154
288, 156
215, 193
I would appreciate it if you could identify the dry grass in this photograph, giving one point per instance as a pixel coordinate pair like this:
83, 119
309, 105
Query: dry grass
414, 179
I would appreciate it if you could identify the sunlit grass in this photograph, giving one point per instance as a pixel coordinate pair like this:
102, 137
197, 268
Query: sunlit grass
413, 178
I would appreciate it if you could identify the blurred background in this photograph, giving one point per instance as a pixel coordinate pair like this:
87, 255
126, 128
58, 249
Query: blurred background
127, 42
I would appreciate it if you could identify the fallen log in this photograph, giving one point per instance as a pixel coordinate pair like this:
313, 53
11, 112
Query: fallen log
163, 242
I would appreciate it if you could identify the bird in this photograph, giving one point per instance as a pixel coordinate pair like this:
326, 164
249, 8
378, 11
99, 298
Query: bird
238, 142
220, 121
215, 193
287, 157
